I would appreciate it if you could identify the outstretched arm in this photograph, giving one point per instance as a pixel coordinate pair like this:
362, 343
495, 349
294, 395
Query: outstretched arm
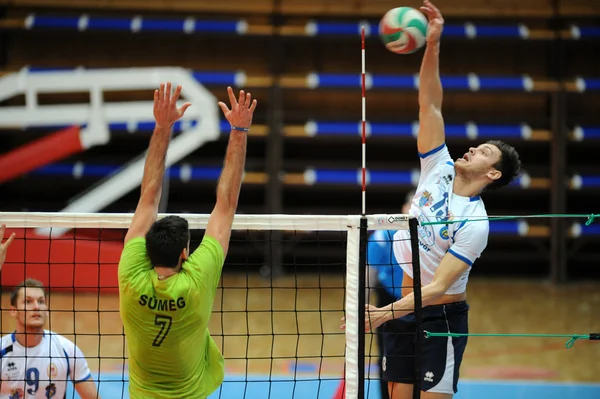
165, 114
448, 272
431, 130
230, 181
470, 241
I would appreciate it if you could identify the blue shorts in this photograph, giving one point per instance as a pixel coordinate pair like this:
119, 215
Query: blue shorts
442, 356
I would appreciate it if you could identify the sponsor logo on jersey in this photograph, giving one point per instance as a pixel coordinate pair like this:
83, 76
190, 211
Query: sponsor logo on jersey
426, 235
429, 376
447, 179
12, 371
50, 391
52, 371
17, 393
444, 233
426, 199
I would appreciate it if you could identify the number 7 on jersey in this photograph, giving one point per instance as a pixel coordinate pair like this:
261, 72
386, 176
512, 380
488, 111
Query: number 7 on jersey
165, 323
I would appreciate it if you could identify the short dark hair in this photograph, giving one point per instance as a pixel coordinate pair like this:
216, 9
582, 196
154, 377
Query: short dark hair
29, 283
166, 239
509, 164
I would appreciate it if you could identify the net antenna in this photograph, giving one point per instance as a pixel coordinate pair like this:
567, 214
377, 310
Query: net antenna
364, 121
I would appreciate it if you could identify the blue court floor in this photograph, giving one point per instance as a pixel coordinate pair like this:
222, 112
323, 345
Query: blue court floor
112, 386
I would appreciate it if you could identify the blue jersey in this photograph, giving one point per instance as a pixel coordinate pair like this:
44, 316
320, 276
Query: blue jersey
380, 256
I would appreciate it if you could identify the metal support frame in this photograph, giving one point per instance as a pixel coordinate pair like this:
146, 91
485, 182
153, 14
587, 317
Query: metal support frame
558, 247
274, 143
558, 149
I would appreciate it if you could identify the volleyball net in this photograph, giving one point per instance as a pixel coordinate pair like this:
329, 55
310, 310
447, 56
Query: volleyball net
287, 282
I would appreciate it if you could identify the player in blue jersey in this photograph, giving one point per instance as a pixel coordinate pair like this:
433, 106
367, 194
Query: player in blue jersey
384, 277
448, 190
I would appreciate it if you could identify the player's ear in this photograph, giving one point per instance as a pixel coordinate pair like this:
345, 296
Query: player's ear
494, 174
184, 254
13, 311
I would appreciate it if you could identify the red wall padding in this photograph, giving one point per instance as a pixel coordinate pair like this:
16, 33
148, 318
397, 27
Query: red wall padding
85, 263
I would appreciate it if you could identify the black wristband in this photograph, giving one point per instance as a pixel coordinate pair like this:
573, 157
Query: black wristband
240, 129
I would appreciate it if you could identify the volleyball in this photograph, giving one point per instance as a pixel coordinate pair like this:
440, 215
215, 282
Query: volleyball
403, 30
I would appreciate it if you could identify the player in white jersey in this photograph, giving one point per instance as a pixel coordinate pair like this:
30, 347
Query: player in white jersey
36, 363
447, 190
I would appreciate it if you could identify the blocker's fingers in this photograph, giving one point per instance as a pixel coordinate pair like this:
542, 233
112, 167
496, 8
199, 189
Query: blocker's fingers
183, 108
176, 94
161, 93
253, 106
168, 91
10, 239
232, 99
223, 107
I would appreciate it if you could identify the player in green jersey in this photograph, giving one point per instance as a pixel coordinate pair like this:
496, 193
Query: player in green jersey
166, 293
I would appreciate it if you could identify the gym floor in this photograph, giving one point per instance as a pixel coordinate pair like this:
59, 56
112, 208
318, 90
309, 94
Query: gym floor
281, 332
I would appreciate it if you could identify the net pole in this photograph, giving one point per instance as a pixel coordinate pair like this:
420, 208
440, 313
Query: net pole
351, 380
418, 311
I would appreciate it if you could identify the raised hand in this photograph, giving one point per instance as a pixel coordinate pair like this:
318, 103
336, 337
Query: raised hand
240, 114
165, 106
4, 247
436, 21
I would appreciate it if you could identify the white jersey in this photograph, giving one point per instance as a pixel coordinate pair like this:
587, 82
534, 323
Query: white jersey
40, 372
434, 200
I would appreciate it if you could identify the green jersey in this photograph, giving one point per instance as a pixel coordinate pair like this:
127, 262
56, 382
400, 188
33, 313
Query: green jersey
171, 352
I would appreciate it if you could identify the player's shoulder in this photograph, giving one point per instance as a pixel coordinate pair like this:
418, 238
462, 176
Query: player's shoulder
439, 163
209, 250
436, 153
477, 206
477, 215
7, 340
213, 244
135, 245
64, 342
